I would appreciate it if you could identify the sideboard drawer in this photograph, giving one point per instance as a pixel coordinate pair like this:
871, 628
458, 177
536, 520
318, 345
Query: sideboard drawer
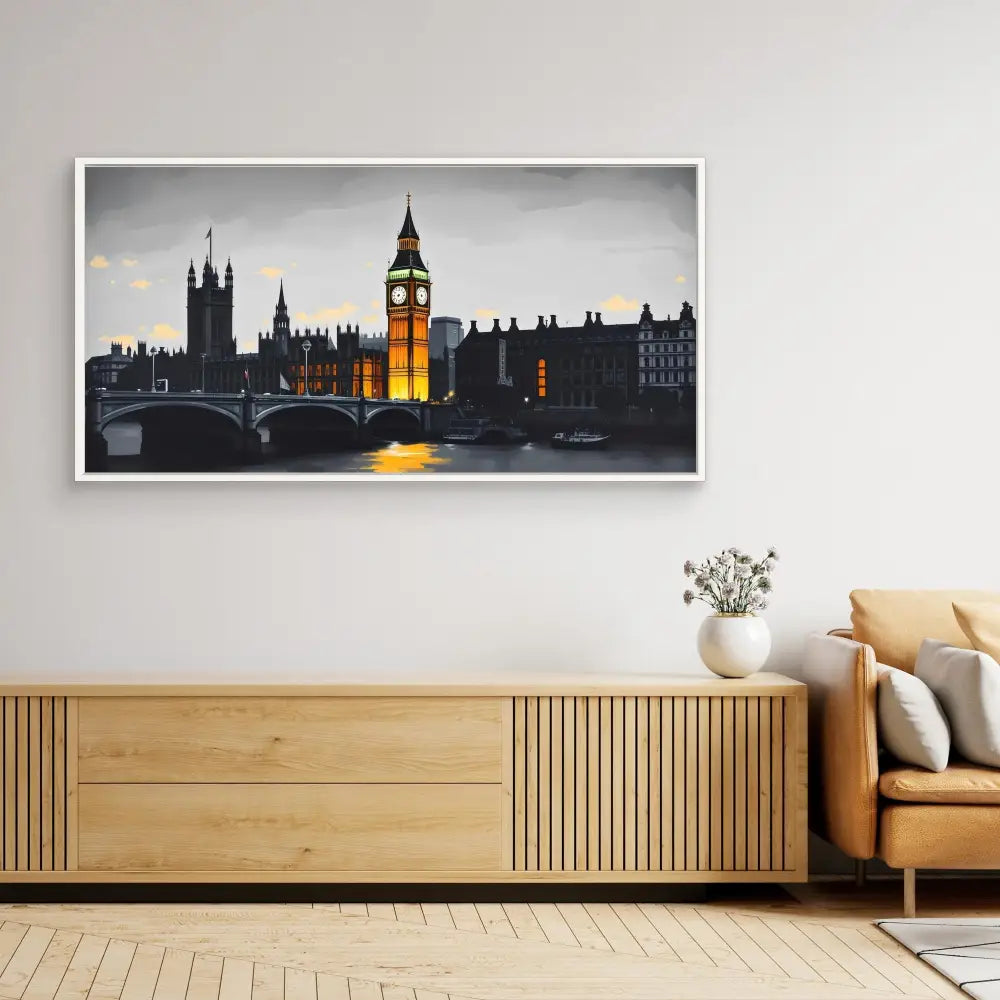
290, 827
205, 739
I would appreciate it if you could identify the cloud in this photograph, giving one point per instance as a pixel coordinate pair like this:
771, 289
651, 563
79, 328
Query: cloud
99, 261
330, 312
370, 318
618, 303
294, 263
139, 283
272, 272
164, 331
142, 329
376, 303
369, 263
486, 313
129, 261
125, 341
680, 279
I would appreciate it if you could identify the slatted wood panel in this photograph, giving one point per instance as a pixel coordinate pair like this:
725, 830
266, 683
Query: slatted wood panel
39, 786
654, 784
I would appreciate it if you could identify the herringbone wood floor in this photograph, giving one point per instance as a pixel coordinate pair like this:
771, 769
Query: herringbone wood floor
820, 945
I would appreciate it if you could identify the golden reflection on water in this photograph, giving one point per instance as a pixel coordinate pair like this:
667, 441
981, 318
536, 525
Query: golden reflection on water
396, 457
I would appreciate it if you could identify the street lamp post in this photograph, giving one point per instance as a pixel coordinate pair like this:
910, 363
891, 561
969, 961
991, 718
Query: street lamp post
203, 356
306, 346
153, 387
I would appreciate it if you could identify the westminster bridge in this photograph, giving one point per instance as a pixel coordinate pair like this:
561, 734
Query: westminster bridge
230, 424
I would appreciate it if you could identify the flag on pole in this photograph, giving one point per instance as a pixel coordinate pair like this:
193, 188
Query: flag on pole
208, 235
283, 385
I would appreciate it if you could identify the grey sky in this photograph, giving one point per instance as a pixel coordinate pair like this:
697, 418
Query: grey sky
515, 240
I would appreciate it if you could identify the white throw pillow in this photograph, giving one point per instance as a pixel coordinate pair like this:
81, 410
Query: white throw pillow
911, 723
967, 683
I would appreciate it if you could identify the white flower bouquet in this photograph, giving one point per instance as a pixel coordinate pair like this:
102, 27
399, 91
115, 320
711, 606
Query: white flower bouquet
731, 583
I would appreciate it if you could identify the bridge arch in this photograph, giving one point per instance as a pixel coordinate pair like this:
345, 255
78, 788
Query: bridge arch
148, 405
394, 423
277, 408
374, 411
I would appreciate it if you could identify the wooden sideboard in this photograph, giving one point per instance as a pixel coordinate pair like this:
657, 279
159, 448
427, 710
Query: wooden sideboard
561, 779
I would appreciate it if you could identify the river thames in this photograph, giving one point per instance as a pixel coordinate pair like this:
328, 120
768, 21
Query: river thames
530, 458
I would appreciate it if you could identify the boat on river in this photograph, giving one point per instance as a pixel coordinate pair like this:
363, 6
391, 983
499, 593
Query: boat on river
581, 439
483, 430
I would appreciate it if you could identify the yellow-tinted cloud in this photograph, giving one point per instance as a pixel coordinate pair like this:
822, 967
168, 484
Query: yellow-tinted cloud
369, 263
294, 263
371, 318
100, 261
164, 331
680, 279
126, 341
376, 303
272, 272
129, 261
330, 312
139, 283
486, 313
142, 329
618, 303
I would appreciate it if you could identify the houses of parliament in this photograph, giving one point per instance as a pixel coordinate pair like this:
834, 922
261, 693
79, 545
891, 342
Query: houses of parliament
649, 364
309, 361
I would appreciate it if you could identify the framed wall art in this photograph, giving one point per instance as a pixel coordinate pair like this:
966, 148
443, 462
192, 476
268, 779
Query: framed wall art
507, 319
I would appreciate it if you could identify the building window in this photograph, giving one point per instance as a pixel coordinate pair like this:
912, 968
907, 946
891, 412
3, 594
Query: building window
541, 378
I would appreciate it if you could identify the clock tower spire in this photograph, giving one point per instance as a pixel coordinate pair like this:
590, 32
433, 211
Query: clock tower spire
408, 307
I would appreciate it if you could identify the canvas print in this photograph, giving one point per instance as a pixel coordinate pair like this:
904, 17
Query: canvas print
390, 319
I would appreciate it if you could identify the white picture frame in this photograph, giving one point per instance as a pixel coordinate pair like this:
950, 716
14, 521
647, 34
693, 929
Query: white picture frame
82, 474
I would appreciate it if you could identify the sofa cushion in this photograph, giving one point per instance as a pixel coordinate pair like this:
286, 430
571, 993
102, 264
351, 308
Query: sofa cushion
895, 622
980, 621
911, 723
958, 783
967, 683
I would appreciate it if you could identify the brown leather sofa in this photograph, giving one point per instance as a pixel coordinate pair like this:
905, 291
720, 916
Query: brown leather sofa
863, 801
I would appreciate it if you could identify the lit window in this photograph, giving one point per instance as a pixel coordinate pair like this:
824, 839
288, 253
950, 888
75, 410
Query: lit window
541, 378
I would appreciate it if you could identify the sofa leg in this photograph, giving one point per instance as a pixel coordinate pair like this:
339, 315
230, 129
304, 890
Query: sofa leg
909, 892
860, 872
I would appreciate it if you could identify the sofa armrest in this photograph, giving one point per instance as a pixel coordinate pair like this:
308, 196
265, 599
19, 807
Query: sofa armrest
844, 633
843, 749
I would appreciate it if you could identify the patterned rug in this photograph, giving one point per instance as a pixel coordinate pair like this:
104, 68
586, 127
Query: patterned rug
966, 950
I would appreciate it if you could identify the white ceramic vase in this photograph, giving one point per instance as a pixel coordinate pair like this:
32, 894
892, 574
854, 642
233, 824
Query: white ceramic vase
732, 645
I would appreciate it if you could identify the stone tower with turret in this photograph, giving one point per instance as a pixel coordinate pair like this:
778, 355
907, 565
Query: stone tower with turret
210, 314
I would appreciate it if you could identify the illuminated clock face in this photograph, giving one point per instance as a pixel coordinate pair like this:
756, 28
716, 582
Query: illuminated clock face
422, 296
399, 295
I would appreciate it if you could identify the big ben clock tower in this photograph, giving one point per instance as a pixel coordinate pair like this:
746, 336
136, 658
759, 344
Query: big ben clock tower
408, 306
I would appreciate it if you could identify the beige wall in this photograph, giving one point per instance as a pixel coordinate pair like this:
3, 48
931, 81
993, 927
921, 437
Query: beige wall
851, 329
